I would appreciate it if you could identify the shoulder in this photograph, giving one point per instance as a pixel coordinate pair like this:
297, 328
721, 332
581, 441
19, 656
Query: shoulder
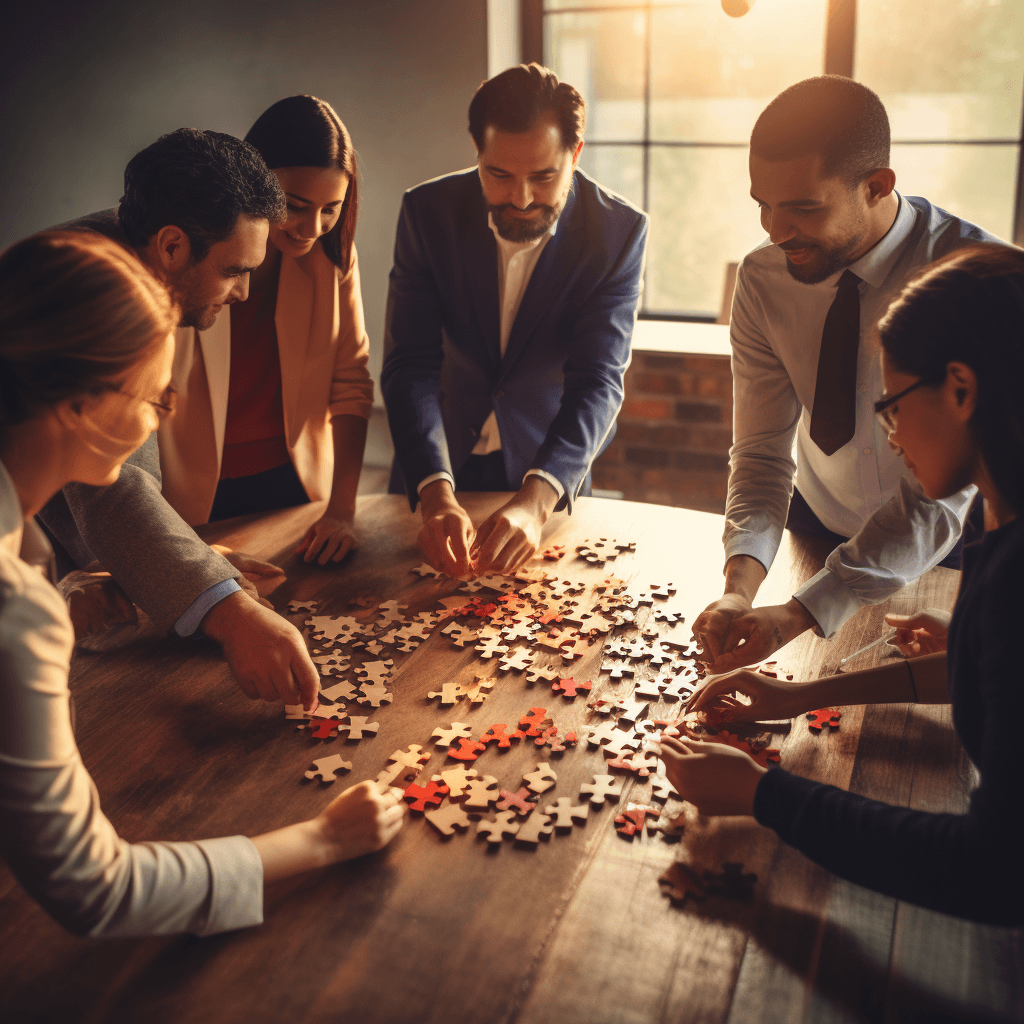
34, 622
444, 191
940, 232
103, 222
763, 268
603, 211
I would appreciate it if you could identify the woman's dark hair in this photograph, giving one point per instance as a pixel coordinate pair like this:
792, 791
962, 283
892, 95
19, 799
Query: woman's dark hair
969, 308
77, 313
303, 131
200, 182
515, 99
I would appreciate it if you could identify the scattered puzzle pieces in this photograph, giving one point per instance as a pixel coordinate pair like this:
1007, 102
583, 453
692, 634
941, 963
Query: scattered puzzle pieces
496, 734
732, 882
482, 792
535, 826
432, 793
449, 693
457, 779
468, 750
502, 825
571, 687
542, 779
602, 786
328, 768
531, 722
358, 725
679, 881
448, 818
457, 730
632, 819
517, 800
817, 720
565, 813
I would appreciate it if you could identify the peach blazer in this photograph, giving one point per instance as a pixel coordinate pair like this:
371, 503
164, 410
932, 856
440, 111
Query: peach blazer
321, 338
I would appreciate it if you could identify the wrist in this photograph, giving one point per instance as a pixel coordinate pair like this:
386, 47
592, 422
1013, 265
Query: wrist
437, 497
315, 838
743, 577
799, 619
538, 497
219, 621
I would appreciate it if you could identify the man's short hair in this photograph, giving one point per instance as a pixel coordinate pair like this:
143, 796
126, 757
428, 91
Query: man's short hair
836, 117
200, 182
514, 101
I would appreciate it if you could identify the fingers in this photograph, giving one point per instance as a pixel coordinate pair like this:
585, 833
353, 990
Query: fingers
307, 681
347, 544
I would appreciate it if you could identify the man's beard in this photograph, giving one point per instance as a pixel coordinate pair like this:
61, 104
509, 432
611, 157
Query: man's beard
825, 262
202, 318
519, 229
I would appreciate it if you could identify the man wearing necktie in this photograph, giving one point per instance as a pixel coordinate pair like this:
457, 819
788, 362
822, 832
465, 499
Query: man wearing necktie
509, 322
842, 243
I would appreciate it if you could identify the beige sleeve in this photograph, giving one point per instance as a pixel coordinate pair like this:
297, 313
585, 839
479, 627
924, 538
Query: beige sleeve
351, 384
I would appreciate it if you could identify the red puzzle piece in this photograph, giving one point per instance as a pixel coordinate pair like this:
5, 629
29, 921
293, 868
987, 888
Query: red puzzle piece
431, 793
517, 800
497, 732
468, 750
549, 737
760, 755
632, 821
324, 728
529, 723
817, 720
570, 686
679, 881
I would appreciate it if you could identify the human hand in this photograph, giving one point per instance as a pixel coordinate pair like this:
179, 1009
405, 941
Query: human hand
757, 634
258, 578
447, 531
770, 699
712, 625
265, 652
715, 778
332, 536
95, 603
923, 632
510, 536
360, 820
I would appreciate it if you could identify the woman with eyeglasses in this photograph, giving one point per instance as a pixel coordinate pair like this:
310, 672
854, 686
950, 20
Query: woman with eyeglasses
284, 394
86, 348
952, 367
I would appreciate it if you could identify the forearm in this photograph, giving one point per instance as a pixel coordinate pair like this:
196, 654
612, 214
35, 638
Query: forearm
349, 433
293, 849
744, 575
925, 681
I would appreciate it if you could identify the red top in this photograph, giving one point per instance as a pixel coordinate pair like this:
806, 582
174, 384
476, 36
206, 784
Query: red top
254, 432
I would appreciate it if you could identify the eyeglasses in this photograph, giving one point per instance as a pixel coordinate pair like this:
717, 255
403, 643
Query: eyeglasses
164, 407
886, 409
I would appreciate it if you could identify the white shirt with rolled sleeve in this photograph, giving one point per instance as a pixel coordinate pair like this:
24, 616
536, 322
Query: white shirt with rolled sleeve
516, 263
863, 491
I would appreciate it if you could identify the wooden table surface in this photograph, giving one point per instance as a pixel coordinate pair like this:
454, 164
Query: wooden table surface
447, 930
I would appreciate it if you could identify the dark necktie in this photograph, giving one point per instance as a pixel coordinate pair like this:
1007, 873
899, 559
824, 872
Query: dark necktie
834, 415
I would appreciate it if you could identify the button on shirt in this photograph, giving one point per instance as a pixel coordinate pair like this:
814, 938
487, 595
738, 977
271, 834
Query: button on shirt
862, 491
516, 263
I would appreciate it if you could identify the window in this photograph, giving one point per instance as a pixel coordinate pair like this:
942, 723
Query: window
673, 90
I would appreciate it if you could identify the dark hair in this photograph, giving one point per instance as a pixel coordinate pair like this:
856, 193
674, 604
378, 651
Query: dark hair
515, 99
836, 117
303, 131
969, 308
200, 182
77, 312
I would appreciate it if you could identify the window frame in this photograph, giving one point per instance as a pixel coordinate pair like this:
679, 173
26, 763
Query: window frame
840, 35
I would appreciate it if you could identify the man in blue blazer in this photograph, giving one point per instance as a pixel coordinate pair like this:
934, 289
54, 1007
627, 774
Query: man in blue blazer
509, 321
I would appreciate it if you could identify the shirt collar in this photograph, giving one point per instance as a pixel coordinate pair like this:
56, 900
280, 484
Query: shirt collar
12, 523
874, 266
505, 244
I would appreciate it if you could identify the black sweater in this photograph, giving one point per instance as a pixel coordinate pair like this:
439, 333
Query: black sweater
970, 865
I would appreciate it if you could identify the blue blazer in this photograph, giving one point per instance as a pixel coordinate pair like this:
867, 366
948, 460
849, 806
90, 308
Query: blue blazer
558, 389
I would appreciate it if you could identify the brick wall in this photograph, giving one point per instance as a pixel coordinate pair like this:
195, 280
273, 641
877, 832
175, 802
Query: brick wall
674, 432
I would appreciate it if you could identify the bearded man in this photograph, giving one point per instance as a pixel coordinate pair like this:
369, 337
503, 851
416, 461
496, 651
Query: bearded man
842, 244
510, 316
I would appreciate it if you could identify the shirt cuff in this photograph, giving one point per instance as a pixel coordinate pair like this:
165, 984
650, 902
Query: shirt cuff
194, 614
553, 480
236, 884
435, 476
756, 545
829, 600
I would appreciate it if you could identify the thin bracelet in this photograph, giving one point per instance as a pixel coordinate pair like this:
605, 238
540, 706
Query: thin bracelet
912, 686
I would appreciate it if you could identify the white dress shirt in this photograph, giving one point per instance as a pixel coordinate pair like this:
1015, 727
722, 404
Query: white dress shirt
862, 491
516, 263
53, 834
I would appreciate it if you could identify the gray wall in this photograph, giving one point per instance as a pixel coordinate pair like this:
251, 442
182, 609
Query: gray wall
86, 84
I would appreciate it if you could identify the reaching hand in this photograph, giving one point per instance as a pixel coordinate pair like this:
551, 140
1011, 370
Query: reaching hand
96, 602
361, 820
265, 652
447, 530
258, 579
712, 625
770, 699
921, 633
757, 634
507, 539
333, 537
715, 778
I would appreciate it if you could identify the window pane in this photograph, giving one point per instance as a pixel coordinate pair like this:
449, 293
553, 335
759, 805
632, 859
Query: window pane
944, 71
702, 217
602, 55
619, 168
973, 182
711, 75
555, 5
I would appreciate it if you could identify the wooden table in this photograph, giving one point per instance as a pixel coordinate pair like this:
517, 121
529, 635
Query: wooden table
434, 930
